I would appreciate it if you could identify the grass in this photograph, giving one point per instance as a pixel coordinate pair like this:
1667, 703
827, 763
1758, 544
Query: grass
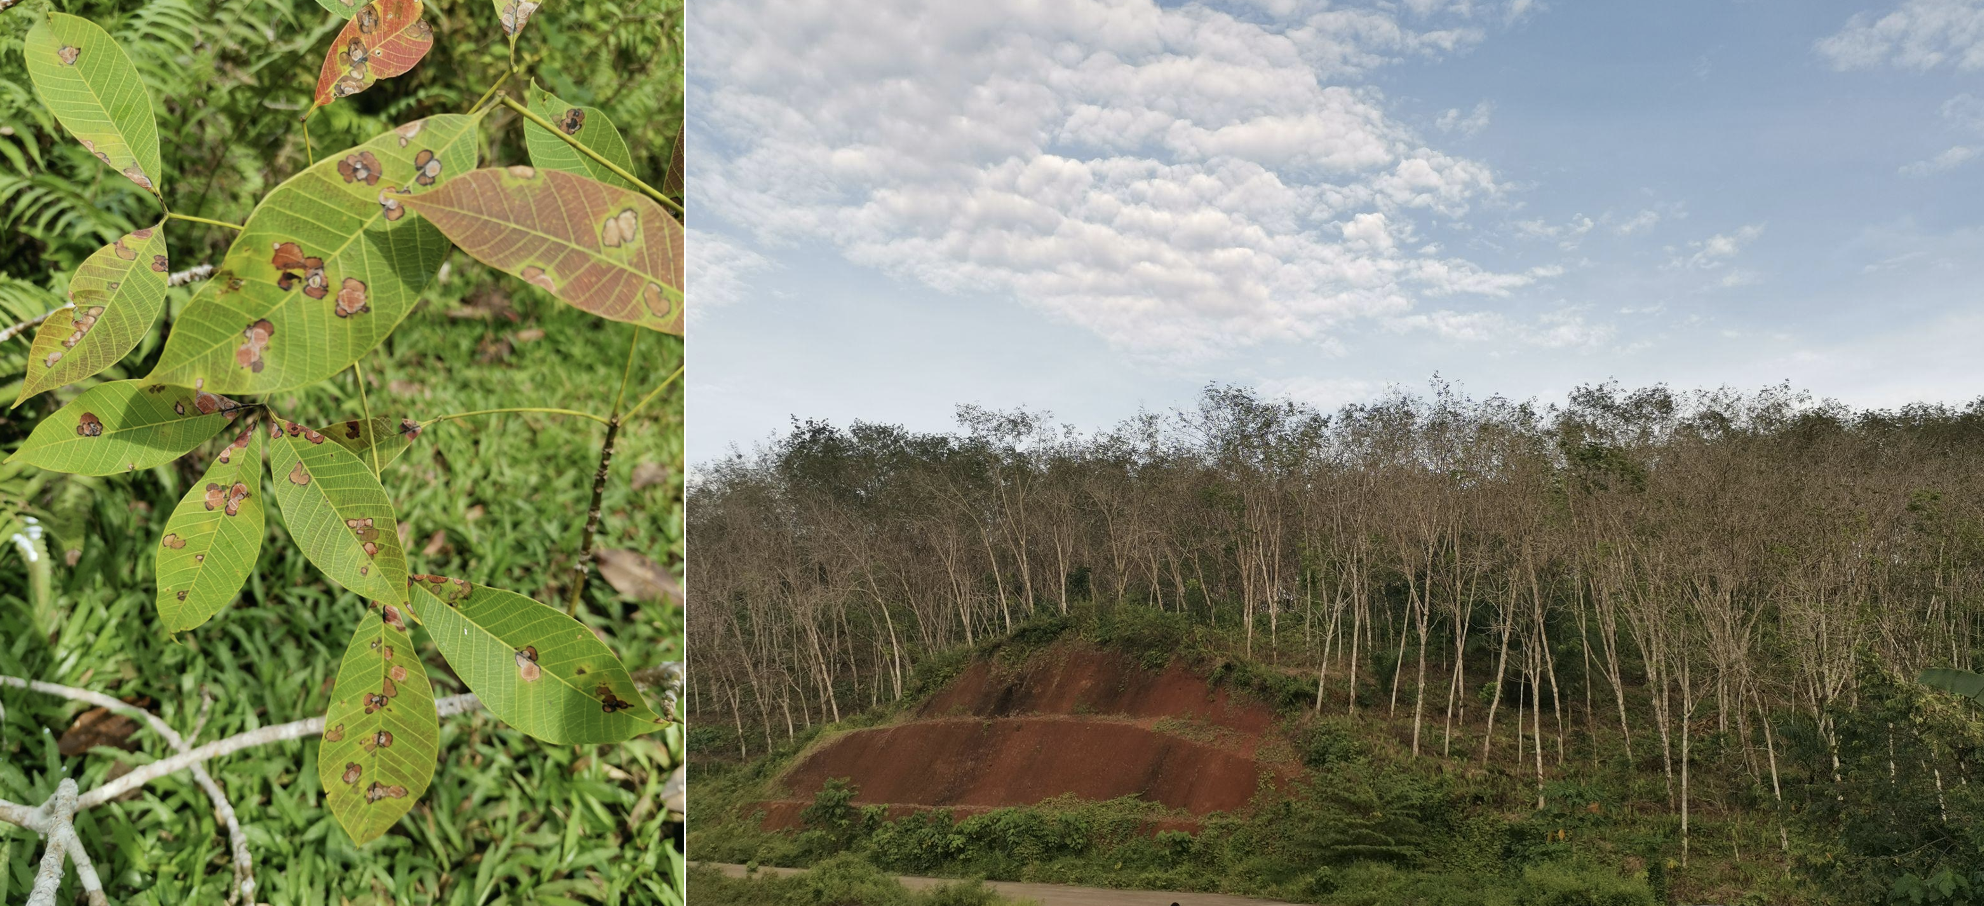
509, 819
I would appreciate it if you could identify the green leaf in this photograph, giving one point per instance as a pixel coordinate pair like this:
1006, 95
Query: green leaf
328, 265
589, 126
536, 668
671, 182
213, 537
1962, 682
381, 734
393, 436
90, 85
386, 39
337, 512
123, 426
602, 248
340, 9
118, 292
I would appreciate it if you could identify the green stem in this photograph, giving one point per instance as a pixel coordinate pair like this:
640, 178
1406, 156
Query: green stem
653, 393
308, 154
616, 170
366, 406
456, 415
219, 223
627, 375
499, 81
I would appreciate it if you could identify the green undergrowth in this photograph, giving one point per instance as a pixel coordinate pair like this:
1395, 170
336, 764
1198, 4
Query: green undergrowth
493, 499
844, 880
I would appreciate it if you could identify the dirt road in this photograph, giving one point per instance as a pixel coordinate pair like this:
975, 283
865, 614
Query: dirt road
1058, 894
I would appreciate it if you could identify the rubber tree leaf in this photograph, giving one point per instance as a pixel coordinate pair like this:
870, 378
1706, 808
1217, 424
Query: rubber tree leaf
515, 14
118, 292
1962, 682
381, 734
213, 537
337, 512
589, 126
328, 264
384, 38
602, 248
342, 9
88, 82
123, 426
671, 182
393, 436
531, 665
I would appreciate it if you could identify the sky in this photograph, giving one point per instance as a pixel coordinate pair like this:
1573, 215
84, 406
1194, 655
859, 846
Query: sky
1094, 206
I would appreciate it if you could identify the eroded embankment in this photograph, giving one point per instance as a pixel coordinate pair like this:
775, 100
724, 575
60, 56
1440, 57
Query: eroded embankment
1073, 720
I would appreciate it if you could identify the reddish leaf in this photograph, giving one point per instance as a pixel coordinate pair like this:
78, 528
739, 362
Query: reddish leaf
601, 248
385, 39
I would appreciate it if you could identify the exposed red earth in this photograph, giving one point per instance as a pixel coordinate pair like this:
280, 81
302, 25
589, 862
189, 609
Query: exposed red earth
1074, 720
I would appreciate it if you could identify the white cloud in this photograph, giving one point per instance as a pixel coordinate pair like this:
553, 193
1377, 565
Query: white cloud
1964, 114
1716, 251
1942, 163
1561, 329
719, 270
1178, 180
1325, 394
1637, 223
1470, 123
1918, 34
1567, 235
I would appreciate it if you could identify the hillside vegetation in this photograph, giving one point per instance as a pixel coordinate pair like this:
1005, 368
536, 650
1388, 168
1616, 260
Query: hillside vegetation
1644, 638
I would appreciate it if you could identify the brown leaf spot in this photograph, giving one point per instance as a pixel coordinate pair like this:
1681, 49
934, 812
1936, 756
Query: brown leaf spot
394, 210
426, 167
618, 229
315, 285
536, 276
123, 252
394, 619
657, 301
521, 172
351, 298
68, 54
89, 426
573, 120
158, 264
299, 475
379, 791
288, 257
398, 673
352, 771
136, 175
373, 702
172, 541
216, 496
235, 496
408, 131
249, 354
527, 664
334, 734
360, 167
351, 430
54, 357
182, 596
410, 428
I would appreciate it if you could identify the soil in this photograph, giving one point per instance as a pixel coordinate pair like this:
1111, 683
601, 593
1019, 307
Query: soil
1074, 720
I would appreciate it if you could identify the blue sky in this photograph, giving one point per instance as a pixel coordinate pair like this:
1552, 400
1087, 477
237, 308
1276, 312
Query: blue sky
1088, 207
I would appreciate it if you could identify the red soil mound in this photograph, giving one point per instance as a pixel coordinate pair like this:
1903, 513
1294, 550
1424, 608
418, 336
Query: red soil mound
1074, 721
1081, 681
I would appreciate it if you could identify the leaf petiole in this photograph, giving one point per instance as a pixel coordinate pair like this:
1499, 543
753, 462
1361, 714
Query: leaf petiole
500, 81
219, 223
652, 394
616, 169
455, 415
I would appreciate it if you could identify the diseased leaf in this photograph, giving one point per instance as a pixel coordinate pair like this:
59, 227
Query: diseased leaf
213, 537
118, 292
636, 576
515, 14
671, 182
337, 512
531, 665
601, 248
589, 126
384, 38
88, 82
394, 436
327, 266
381, 734
123, 426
